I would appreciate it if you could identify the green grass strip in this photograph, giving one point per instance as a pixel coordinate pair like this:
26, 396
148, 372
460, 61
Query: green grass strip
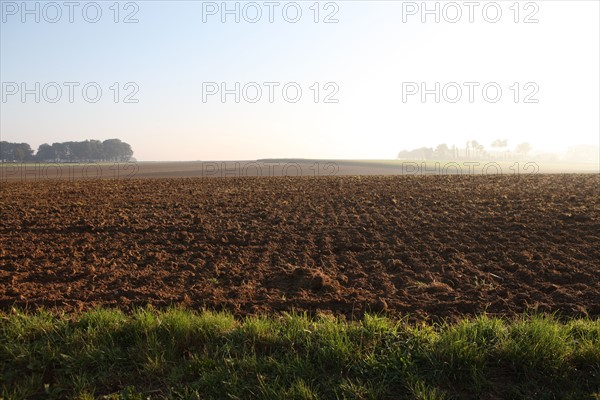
183, 354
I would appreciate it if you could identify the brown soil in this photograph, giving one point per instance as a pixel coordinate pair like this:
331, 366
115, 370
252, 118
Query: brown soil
431, 246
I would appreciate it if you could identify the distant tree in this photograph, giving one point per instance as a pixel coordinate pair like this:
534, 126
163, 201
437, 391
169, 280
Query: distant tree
428, 153
19, 152
111, 148
500, 145
46, 152
84, 151
126, 152
62, 151
96, 149
70, 151
4, 151
442, 151
480, 150
403, 154
26, 151
477, 149
523, 149
116, 150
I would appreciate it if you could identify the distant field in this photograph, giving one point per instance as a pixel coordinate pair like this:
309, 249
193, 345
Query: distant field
279, 167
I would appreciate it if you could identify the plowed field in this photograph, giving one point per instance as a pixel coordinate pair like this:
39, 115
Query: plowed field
431, 246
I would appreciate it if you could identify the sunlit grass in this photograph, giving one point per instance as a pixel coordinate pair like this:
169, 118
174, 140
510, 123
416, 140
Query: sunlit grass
177, 353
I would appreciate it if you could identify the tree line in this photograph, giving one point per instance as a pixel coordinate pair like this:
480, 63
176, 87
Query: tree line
472, 149
111, 150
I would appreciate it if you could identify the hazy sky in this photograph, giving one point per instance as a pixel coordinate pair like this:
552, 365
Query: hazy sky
371, 61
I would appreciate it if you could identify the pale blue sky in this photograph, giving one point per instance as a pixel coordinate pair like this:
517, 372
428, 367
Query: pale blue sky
369, 53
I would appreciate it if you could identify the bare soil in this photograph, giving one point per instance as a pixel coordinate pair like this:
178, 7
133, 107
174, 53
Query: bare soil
431, 246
